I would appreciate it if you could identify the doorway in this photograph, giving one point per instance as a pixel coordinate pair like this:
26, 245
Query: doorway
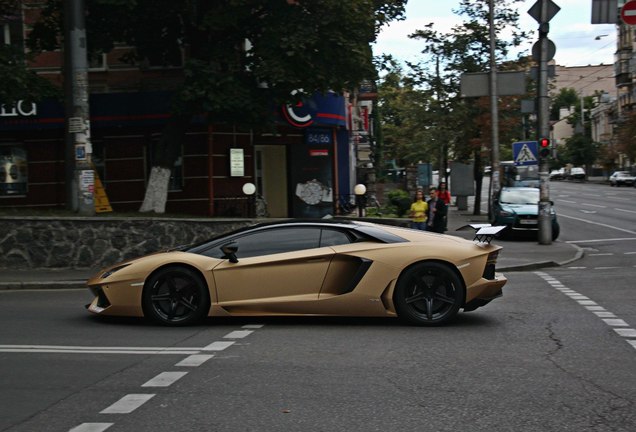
271, 178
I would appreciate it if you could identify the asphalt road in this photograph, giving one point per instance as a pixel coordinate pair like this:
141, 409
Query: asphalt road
556, 353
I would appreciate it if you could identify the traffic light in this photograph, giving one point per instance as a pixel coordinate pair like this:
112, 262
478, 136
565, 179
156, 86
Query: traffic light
544, 147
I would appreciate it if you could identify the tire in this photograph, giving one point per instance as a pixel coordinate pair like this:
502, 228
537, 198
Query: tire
556, 230
428, 294
175, 296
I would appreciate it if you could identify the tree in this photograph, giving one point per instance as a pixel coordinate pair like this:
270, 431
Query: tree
626, 134
581, 150
16, 81
242, 55
566, 98
463, 125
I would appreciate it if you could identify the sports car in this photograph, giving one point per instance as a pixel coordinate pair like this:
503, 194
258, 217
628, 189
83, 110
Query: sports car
302, 267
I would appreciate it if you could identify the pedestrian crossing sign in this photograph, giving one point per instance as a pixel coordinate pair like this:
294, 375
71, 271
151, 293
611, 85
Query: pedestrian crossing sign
525, 153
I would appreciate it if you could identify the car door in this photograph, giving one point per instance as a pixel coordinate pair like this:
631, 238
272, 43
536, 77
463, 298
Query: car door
276, 269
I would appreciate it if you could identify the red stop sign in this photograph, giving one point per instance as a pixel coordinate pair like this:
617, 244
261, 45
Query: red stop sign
628, 13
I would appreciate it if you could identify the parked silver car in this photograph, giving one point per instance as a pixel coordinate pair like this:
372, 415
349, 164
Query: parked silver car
620, 178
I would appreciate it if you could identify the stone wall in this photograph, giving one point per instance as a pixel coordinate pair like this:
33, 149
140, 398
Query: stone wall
40, 242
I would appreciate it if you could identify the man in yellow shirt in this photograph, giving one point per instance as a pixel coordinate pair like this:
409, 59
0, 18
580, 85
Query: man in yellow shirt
418, 211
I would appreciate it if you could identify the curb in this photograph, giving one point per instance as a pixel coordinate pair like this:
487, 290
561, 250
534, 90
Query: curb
16, 286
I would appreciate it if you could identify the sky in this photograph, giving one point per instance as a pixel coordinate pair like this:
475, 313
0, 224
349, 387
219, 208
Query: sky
570, 29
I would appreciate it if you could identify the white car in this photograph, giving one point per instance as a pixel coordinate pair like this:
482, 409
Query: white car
577, 173
557, 174
620, 178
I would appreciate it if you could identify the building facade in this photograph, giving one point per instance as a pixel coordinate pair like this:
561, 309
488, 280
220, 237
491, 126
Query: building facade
302, 167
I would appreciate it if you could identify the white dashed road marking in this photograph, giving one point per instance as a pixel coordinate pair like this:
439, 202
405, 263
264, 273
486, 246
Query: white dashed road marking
218, 346
127, 404
238, 334
606, 316
195, 360
164, 379
131, 402
92, 427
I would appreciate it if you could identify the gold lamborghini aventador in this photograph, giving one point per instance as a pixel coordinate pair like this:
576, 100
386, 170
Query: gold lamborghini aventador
297, 267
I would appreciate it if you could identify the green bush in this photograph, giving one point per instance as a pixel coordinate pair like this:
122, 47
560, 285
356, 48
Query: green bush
401, 200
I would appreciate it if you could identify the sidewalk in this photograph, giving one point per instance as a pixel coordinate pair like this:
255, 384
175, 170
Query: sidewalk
517, 255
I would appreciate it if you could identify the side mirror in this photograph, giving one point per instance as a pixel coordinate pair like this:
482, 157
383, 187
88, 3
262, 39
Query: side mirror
229, 251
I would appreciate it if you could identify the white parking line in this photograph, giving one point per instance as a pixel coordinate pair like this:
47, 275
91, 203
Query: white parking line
164, 379
127, 404
91, 427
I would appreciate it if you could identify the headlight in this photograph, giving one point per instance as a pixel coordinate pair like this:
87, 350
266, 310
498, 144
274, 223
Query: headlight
113, 270
506, 213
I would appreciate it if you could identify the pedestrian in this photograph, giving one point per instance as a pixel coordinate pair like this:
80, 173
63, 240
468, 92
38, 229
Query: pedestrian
436, 212
445, 195
418, 211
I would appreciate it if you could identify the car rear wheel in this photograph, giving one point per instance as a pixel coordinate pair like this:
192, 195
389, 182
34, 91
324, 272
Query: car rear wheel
428, 294
175, 296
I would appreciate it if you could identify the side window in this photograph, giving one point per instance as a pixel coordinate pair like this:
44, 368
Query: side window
271, 241
278, 241
331, 237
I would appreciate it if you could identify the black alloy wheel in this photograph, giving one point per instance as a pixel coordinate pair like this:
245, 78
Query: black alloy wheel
176, 296
428, 294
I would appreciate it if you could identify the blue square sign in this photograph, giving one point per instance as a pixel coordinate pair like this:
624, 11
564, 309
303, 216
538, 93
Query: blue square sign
525, 153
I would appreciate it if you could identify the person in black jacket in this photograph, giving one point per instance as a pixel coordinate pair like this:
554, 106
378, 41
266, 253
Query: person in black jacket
436, 212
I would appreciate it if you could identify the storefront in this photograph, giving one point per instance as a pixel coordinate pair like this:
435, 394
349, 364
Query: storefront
298, 171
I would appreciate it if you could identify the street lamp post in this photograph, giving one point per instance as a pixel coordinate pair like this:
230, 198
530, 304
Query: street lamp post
360, 190
249, 189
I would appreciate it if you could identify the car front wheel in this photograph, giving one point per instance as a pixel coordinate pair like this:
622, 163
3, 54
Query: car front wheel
175, 296
428, 294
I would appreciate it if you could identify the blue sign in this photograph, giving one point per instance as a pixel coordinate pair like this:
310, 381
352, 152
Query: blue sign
525, 153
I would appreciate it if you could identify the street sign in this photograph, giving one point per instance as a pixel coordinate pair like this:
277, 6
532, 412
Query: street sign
476, 84
525, 153
536, 51
628, 13
535, 11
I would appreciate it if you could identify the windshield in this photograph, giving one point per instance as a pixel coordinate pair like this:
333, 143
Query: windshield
519, 196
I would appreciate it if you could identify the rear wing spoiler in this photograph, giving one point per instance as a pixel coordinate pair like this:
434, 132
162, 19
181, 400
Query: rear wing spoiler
484, 233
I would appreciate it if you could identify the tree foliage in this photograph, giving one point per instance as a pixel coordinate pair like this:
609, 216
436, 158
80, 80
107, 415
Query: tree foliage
626, 134
241, 55
16, 81
581, 150
447, 125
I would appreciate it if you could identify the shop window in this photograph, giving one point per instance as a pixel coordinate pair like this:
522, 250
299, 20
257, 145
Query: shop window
12, 31
176, 174
13, 170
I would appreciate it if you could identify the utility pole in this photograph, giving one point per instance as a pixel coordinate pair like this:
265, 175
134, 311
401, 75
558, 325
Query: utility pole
543, 52
495, 184
79, 175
